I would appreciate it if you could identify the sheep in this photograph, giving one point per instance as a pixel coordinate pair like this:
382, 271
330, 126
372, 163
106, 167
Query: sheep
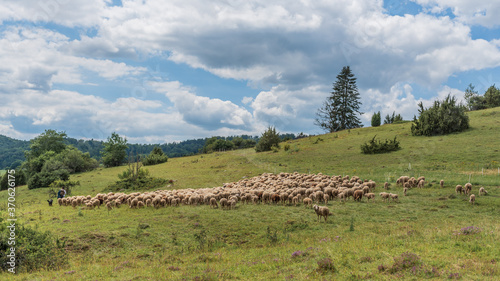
133, 203
472, 199
326, 197
386, 185
441, 183
394, 196
232, 204
223, 203
108, 205
482, 191
384, 195
295, 200
459, 189
321, 212
140, 204
213, 203
405, 190
358, 194
307, 202
468, 188
370, 196
421, 183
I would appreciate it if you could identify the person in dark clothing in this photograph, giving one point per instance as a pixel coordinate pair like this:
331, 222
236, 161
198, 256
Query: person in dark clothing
61, 193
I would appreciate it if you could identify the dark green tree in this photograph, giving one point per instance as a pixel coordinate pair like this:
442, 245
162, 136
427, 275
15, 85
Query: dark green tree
376, 119
50, 140
444, 117
340, 110
393, 119
155, 157
492, 96
269, 139
114, 151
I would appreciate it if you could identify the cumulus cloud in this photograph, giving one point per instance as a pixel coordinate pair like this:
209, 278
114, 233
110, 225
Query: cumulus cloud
205, 112
480, 12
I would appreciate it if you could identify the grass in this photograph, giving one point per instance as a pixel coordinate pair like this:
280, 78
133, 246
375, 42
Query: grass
267, 242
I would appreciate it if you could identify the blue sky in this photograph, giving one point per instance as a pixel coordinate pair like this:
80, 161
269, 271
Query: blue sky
162, 71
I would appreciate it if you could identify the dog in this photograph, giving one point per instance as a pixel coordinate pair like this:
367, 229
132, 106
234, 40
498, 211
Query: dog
50, 202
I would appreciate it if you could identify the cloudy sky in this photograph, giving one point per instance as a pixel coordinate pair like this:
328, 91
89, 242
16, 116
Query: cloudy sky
162, 71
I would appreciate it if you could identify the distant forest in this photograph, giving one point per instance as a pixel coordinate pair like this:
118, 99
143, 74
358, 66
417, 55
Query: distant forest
12, 150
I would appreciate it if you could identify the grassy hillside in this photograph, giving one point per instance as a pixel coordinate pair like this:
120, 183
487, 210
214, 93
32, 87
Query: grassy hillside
267, 242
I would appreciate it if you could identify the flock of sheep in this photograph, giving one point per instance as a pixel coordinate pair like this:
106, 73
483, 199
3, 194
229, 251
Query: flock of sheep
283, 188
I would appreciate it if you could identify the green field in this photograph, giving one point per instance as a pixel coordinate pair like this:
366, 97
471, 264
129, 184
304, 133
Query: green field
364, 241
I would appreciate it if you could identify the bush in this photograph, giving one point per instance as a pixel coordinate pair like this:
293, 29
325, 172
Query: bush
393, 119
136, 178
269, 139
35, 250
155, 157
45, 179
444, 117
376, 146
68, 185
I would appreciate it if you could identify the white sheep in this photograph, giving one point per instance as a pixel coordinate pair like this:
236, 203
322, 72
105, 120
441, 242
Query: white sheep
384, 195
394, 196
321, 212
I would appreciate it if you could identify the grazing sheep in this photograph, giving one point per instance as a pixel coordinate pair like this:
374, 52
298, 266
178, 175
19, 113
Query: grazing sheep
384, 195
140, 204
321, 212
213, 203
421, 184
133, 203
472, 199
405, 190
394, 196
386, 185
468, 188
459, 189
307, 202
441, 183
108, 205
223, 203
326, 197
358, 194
482, 191
370, 196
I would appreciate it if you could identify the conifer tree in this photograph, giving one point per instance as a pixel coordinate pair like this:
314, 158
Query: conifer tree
340, 110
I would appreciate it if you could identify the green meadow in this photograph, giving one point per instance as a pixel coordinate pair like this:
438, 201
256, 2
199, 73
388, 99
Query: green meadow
426, 235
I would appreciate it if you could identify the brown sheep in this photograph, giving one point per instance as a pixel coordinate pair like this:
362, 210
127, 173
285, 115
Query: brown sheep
441, 183
223, 203
370, 196
394, 196
321, 212
307, 202
459, 189
386, 185
384, 195
482, 191
405, 190
472, 199
358, 194
213, 203
468, 188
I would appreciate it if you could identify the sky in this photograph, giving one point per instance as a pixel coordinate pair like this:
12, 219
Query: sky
163, 71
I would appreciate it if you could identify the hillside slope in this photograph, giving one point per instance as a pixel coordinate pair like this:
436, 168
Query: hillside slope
376, 240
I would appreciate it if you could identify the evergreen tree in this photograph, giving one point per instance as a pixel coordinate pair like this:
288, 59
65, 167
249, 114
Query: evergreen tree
339, 112
115, 151
376, 119
269, 139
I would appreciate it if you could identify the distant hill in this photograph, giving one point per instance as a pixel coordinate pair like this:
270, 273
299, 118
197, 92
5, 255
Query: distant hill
12, 150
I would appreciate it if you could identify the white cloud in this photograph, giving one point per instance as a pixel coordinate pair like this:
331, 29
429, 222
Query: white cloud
479, 12
205, 112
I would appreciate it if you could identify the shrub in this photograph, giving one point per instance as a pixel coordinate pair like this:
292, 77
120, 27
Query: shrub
376, 146
155, 157
35, 250
268, 139
393, 119
136, 178
444, 117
